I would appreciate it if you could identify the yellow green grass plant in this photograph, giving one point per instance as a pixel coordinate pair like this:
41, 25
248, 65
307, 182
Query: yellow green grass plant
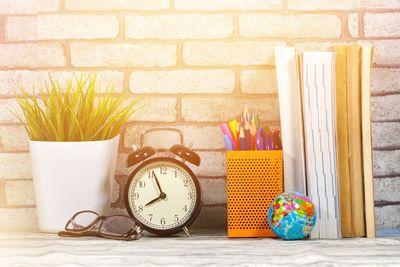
74, 111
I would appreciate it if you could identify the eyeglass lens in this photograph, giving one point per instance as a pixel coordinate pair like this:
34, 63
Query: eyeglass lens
82, 220
117, 225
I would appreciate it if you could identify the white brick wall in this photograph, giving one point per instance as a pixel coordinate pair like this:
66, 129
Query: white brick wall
170, 27
183, 81
195, 63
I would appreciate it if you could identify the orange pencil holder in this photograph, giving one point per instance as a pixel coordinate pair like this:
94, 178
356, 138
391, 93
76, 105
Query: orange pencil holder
254, 179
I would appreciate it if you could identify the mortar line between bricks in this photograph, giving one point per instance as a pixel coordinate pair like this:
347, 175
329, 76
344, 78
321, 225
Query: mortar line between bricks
138, 68
387, 148
144, 13
171, 11
161, 41
387, 177
384, 203
385, 94
383, 121
13, 206
392, 175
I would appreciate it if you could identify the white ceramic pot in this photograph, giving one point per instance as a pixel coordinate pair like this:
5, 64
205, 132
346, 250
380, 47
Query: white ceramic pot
71, 176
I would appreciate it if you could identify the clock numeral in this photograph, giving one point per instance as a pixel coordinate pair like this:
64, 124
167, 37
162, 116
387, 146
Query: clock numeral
136, 196
163, 170
185, 208
151, 216
176, 218
176, 174
190, 195
151, 175
140, 208
186, 182
162, 221
142, 184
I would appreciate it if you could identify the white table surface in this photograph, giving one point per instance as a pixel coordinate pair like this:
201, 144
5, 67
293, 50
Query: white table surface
204, 248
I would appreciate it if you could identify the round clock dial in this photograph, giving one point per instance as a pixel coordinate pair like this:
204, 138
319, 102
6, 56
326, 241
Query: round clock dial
163, 195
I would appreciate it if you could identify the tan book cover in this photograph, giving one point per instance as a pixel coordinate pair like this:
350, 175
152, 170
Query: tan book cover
366, 64
342, 135
355, 138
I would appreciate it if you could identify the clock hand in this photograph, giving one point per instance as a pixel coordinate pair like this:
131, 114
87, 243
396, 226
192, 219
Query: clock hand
158, 184
152, 201
161, 196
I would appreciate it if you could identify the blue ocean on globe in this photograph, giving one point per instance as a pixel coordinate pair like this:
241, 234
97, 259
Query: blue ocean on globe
291, 216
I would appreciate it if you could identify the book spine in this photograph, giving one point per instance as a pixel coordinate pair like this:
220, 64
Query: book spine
366, 52
355, 139
342, 137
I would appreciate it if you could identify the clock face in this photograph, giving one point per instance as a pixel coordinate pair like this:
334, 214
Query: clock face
163, 195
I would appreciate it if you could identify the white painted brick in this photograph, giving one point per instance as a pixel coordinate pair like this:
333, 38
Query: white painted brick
200, 137
13, 138
385, 80
312, 5
382, 24
49, 27
158, 109
213, 191
211, 217
19, 192
386, 52
21, 28
122, 55
31, 55
7, 106
121, 168
386, 163
385, 134
385, 216
15, 165
385, 108
222, 110
18, 220
258, 82
107, 5
241, 53
28, 6
387, 189
188, 26
353, 24
380, 4
183, 81
10, 81
212, 5
289, 26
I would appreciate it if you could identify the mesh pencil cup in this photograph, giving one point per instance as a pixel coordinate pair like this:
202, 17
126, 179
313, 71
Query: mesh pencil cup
254, 179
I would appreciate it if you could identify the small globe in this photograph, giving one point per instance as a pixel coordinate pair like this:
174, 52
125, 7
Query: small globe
291, 216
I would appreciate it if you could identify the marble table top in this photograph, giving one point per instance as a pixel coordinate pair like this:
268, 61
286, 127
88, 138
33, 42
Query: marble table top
204, 248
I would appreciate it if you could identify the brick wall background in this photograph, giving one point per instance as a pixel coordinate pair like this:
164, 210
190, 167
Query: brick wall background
196, 62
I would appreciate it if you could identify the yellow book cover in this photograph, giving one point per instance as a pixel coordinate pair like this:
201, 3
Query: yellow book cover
342, 136
355, 138
366, 63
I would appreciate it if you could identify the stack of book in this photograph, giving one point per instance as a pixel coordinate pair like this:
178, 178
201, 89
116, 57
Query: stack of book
326, 135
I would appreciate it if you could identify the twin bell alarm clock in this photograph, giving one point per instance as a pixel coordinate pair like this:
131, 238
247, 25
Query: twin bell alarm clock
162, 194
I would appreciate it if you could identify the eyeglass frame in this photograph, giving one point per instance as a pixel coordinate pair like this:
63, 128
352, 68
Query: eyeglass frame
93, 228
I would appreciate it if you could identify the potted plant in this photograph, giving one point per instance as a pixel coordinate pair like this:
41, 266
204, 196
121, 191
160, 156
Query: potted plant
74, 137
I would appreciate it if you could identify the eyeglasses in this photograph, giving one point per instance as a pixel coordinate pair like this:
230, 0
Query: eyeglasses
89, 223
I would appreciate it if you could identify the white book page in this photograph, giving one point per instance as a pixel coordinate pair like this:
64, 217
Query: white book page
287, 74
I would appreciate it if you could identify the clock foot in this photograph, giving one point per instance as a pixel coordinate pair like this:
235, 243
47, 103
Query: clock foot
186, 230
